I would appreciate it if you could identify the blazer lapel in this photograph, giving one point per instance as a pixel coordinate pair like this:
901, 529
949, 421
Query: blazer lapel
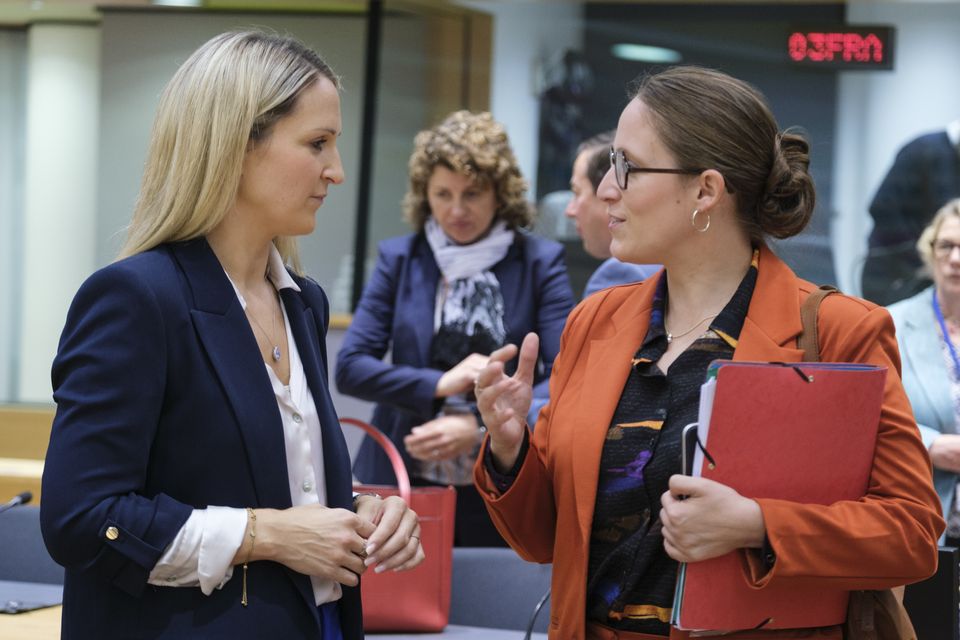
228, 341
773, 324
335, 454
608, 366
419, 297
509, 272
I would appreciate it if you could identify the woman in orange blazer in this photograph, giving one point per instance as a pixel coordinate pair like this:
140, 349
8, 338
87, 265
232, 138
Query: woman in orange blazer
701, 175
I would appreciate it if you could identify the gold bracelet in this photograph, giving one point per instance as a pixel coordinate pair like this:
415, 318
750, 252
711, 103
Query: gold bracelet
252, 519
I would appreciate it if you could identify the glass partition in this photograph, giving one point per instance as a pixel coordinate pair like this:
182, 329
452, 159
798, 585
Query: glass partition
434, 59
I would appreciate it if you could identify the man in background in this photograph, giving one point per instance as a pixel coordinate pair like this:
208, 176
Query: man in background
590, 214
924, 176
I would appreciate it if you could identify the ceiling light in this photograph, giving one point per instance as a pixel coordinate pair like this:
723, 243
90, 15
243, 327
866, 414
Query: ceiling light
645, 53
179, 3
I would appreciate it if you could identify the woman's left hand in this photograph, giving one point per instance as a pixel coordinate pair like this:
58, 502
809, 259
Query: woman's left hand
443, 438
711, 519
395, 544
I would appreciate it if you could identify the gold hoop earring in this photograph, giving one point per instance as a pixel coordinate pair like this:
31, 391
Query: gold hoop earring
693, 221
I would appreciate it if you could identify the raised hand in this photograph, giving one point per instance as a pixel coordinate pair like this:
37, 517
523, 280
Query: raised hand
462, 376
505, 400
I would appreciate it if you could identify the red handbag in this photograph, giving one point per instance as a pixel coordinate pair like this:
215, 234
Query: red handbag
419, 599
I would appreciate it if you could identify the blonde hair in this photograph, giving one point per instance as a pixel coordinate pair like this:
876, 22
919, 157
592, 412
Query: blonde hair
475, 145
226, 97
929, 234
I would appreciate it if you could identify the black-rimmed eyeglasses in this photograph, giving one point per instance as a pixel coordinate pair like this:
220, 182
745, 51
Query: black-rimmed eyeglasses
622, 168
943, 249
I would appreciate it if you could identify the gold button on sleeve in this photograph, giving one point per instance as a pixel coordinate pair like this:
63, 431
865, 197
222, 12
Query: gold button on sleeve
112, 533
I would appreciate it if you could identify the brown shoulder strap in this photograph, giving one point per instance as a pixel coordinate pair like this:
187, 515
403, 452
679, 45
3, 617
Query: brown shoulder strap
808, 341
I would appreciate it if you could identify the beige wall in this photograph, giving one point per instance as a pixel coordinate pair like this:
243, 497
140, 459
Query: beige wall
141, 50
13, 74
59, 204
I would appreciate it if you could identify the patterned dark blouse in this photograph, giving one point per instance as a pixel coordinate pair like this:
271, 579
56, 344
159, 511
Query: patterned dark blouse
630, 576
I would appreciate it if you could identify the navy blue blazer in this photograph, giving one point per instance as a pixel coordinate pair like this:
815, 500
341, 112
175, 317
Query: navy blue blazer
396, 313
164, 405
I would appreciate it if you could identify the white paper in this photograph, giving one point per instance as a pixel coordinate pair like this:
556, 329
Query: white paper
707, 391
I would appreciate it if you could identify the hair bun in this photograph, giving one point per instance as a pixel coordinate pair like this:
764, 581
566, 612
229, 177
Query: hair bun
786, 204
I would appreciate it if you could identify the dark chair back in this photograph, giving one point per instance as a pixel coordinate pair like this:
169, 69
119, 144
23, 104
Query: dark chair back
23, 556
494, 588
934, 604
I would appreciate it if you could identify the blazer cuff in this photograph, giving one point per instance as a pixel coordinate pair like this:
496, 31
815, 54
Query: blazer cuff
758, 564
503, 481
127, 557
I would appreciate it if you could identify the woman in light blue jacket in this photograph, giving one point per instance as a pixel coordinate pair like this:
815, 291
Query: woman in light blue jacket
928, 334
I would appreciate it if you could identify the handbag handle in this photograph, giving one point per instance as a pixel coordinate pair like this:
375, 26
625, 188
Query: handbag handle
809, 339
399, 468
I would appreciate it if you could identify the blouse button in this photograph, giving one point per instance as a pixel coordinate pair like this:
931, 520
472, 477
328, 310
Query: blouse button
307, 486
297, 418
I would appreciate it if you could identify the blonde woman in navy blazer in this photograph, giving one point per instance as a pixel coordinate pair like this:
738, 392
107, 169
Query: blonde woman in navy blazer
924, 321
197, 483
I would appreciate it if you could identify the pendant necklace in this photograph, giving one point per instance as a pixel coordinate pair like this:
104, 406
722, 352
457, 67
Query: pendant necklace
671, 336
275, 352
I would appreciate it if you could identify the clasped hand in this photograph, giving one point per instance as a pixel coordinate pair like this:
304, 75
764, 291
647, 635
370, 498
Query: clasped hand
462, 376
339, 544
443, 438
703, 519
945, 452
395, 543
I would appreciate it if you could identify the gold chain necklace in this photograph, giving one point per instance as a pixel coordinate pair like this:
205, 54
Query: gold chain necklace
671, 336
275, 353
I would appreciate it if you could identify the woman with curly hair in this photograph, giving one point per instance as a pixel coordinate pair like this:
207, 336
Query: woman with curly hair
467, 281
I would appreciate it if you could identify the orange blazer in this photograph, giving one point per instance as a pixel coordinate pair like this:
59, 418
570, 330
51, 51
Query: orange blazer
887, 538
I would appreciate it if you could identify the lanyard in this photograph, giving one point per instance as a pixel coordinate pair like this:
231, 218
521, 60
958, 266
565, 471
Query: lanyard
946, 336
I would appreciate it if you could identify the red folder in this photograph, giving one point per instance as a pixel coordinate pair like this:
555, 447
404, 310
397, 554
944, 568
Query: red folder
801, 432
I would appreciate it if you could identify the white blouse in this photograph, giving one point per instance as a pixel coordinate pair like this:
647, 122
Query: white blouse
201, 553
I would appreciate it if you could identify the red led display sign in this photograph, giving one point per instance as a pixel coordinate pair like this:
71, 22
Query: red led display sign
842, 47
